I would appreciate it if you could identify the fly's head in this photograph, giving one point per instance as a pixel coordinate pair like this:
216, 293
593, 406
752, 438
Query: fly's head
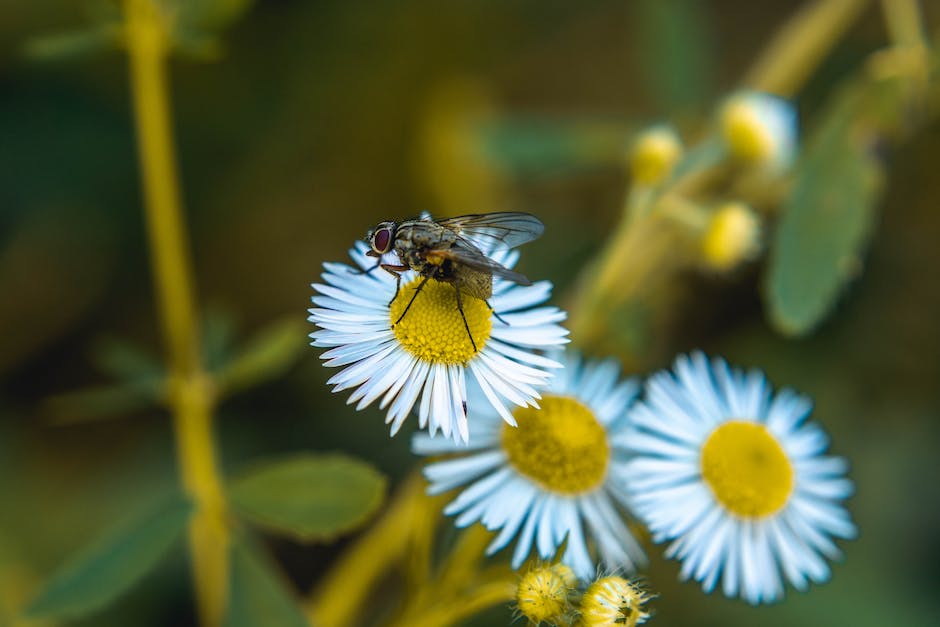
380, 238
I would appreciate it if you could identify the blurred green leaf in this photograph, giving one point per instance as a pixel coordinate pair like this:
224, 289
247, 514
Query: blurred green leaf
310, 497
197, 25
74, 44
218, 336
209, 15
108, 568
104, 401
258, 596
675, 51
140, 384
124, 361
829, 215
530, 146
267, 356
827, 220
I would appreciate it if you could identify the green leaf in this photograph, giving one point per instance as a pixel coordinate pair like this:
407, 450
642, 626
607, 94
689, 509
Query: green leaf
829, 216
74, 44
197, 25
103, 402
218, 336
673, 42
265, 357
140, 384
531, 146
209, 16
112, 565
257, 594
124, 361
310, 497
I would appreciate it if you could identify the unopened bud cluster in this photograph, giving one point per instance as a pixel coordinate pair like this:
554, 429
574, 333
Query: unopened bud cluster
551, 595
752, 147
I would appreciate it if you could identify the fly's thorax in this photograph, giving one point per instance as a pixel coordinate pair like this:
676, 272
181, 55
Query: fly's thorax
424, 234
416, 239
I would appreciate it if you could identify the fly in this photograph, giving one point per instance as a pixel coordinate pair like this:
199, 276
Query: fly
448, 250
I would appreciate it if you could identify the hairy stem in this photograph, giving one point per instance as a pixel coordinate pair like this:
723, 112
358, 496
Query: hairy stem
190, 391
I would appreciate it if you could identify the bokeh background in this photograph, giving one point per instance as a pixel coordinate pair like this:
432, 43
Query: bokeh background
313, 121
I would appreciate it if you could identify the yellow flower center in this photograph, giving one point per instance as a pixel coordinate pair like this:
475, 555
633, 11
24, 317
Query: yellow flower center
433, 329
561, 446
747, 469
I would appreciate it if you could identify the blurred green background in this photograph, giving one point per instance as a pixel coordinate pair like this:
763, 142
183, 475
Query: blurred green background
318, 119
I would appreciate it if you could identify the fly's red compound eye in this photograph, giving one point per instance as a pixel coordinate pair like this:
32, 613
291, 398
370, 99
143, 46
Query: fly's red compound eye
381, 240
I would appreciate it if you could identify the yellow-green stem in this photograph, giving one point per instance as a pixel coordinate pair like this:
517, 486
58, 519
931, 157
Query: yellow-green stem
341, 595
800, 46
638, 252
451, 610
904, 22
190, 391
463, 562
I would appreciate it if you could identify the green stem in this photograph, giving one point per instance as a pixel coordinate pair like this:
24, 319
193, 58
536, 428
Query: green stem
340, 596
800, 46
190, 390
451, 610
904, 22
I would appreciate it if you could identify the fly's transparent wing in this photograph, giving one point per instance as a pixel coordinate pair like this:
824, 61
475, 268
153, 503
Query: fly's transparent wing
468, 255
491, 231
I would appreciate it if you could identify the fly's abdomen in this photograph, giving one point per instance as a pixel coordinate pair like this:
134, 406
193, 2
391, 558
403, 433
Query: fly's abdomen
473, 282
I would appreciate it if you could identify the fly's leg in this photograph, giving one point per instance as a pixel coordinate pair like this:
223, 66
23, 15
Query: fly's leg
465, 324
413, 297
395, 271
351, 271
493, 311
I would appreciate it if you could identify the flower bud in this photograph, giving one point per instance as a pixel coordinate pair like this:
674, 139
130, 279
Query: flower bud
611, 601
731, 237
760, 129
653, 155
543, 593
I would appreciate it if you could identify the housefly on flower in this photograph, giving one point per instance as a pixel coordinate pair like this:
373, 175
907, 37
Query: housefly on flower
448, 250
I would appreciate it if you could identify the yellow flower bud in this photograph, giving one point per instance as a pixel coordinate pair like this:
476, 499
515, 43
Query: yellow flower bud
759, 129
731, 237
567, 575
654, 154
613, 601
543, 593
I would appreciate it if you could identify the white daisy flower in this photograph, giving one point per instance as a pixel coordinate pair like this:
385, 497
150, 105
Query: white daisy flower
429, 353
555, 478
736, 479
